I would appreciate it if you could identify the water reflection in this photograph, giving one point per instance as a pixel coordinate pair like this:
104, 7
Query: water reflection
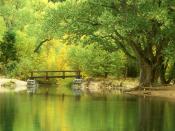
68, 113
156, 115
7, 113
32, 90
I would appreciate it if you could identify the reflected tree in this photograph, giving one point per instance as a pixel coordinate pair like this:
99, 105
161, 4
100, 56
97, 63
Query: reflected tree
7, 113
151, 115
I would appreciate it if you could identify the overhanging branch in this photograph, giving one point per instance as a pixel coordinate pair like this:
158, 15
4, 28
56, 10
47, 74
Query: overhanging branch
137, 48
40, 44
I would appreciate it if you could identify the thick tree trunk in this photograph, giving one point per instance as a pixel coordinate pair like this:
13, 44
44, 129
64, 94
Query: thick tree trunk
146, 75
162, 76
149, 74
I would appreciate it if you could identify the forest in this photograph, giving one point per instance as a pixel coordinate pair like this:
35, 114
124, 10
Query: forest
87, 65
102, 38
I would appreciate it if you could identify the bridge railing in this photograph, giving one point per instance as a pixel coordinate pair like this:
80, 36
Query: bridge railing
55, 74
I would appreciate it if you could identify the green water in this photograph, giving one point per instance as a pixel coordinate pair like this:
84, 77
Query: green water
52, 112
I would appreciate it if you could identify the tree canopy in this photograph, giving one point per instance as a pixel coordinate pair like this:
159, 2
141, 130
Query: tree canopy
143, 29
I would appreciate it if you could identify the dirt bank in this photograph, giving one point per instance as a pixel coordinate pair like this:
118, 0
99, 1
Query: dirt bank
8, 85
107, 86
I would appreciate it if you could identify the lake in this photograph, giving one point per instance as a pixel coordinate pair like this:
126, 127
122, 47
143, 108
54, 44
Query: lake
47, 110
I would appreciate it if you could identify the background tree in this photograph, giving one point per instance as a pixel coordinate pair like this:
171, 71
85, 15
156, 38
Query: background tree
8, 52
95, 61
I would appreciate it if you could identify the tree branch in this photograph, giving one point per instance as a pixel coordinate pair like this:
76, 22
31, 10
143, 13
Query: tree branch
40, 44
136, 47
125, 50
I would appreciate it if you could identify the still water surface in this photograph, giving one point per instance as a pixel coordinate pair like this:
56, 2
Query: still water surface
52, 112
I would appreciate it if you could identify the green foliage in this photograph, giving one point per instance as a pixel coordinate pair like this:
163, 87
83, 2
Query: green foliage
27, 60
2, 28
171, 71
95, 61
169, 52
108, 21
24, 17
7, 47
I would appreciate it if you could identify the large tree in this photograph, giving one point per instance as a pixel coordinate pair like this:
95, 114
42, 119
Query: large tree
143, 29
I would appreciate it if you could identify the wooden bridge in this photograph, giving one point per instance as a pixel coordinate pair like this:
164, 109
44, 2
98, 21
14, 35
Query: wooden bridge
55, 74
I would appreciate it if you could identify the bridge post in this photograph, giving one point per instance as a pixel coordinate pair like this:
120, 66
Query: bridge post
78, 75
63, 74
46, 75
31, 74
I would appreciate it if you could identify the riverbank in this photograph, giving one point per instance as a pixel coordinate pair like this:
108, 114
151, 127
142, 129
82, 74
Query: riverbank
108, 86
162, 91
9, 85
127, 86
100, 86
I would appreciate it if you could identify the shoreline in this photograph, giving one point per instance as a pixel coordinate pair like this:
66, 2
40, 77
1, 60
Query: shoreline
128, 86
102, 86
15, 85
166, 92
